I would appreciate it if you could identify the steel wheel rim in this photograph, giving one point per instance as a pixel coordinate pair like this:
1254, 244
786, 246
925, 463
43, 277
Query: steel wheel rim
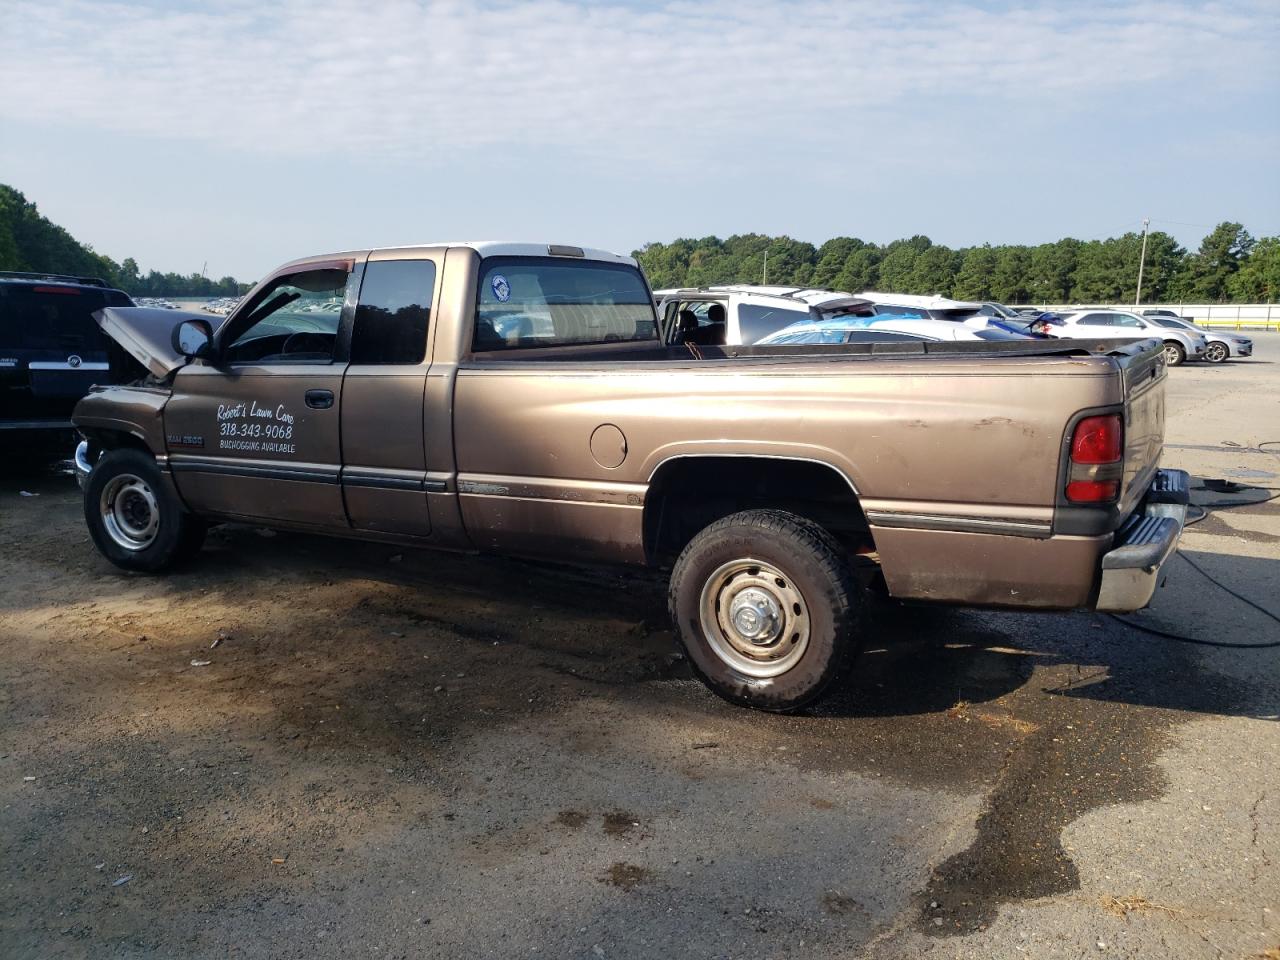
1215, 352
130, 512
754, 618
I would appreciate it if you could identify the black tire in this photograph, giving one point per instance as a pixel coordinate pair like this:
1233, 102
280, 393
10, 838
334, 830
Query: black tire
815, 593
134, 517
1216, 352
1174, 354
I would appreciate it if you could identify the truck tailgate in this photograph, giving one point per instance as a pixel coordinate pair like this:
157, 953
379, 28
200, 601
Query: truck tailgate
1144, 377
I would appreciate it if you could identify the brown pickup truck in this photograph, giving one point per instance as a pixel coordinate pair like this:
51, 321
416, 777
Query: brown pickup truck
515, 398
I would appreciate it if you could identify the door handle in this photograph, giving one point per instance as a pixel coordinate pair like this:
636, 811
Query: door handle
319, 399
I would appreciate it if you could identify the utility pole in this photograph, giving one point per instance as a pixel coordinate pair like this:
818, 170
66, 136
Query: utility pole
765, 281
1142, 261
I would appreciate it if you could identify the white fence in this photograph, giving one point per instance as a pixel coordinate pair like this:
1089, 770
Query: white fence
1239, 316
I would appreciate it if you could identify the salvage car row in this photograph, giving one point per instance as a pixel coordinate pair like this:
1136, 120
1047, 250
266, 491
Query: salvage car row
744, 314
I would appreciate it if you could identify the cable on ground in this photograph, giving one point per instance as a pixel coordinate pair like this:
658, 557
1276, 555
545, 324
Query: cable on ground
1205, 510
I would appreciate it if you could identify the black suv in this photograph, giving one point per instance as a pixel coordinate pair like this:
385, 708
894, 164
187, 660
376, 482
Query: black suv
51, 350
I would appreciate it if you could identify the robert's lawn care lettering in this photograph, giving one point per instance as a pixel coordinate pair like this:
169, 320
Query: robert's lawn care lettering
252, 428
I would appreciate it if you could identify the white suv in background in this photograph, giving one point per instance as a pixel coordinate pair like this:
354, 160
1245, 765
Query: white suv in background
742, 314
747, 314
1179, 344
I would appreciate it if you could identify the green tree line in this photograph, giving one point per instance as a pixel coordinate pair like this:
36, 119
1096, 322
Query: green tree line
1229, 267
30, 242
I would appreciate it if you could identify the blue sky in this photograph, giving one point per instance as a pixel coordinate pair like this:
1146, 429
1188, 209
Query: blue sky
244, 134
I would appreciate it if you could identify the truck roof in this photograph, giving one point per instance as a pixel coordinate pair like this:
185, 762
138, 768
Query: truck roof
485, 248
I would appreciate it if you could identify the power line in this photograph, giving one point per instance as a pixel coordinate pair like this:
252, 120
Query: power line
1112, 231
1181, 223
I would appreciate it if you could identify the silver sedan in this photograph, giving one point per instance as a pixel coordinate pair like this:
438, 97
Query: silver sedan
1220, 346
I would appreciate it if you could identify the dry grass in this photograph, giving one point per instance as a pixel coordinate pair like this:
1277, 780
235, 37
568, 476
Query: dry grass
1004, 720
996, 721
1123, 906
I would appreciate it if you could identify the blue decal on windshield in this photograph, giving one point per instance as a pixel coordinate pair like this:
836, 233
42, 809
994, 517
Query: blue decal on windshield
501, 289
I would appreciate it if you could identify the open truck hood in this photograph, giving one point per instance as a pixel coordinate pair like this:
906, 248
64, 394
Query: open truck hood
147, 333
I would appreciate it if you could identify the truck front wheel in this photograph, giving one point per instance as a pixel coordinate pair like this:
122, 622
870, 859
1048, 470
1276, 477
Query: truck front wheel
135, 519
766, 609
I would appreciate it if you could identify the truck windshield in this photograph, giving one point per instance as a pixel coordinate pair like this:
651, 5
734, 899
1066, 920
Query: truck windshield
526, 302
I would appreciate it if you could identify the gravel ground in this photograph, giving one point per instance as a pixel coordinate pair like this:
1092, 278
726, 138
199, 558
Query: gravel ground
393, 753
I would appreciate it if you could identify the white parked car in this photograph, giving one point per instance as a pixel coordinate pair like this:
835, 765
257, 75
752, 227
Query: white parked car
1220, 345
743, 314
1099, 323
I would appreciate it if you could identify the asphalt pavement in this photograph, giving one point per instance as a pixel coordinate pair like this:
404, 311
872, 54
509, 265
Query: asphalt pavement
297, 747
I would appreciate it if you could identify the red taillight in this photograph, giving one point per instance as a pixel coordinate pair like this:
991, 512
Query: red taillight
1097, 447
1098, 440
66, 291
1092, 491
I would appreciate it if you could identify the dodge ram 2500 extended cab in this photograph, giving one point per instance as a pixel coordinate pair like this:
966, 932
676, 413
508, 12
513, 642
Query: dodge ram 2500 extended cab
515, 398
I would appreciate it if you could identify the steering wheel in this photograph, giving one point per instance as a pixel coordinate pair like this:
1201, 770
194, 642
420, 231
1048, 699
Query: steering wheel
304, 343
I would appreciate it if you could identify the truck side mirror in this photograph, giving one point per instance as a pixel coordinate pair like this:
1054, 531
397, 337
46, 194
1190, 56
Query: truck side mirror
193, 338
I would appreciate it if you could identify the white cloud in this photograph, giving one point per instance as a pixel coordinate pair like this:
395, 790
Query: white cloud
608, 80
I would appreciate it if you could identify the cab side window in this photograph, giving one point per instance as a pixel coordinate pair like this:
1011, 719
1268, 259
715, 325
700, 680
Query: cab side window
394, 312
295, 321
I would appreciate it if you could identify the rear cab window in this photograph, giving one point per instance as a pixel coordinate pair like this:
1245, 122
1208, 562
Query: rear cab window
525, 303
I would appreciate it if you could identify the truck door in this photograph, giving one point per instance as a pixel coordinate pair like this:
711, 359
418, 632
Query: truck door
254, 431
384, 480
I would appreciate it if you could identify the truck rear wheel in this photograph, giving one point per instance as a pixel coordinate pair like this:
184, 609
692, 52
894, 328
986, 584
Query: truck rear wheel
766, 609
135, 519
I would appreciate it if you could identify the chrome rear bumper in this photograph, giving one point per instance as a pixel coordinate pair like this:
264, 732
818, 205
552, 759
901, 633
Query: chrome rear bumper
1132, 568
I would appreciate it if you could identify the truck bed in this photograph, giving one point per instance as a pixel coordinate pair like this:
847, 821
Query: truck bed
1125, 352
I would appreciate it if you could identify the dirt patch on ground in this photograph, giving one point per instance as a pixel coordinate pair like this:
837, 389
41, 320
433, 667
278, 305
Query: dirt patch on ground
627, 876
838, 903
619, 823
573, 819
